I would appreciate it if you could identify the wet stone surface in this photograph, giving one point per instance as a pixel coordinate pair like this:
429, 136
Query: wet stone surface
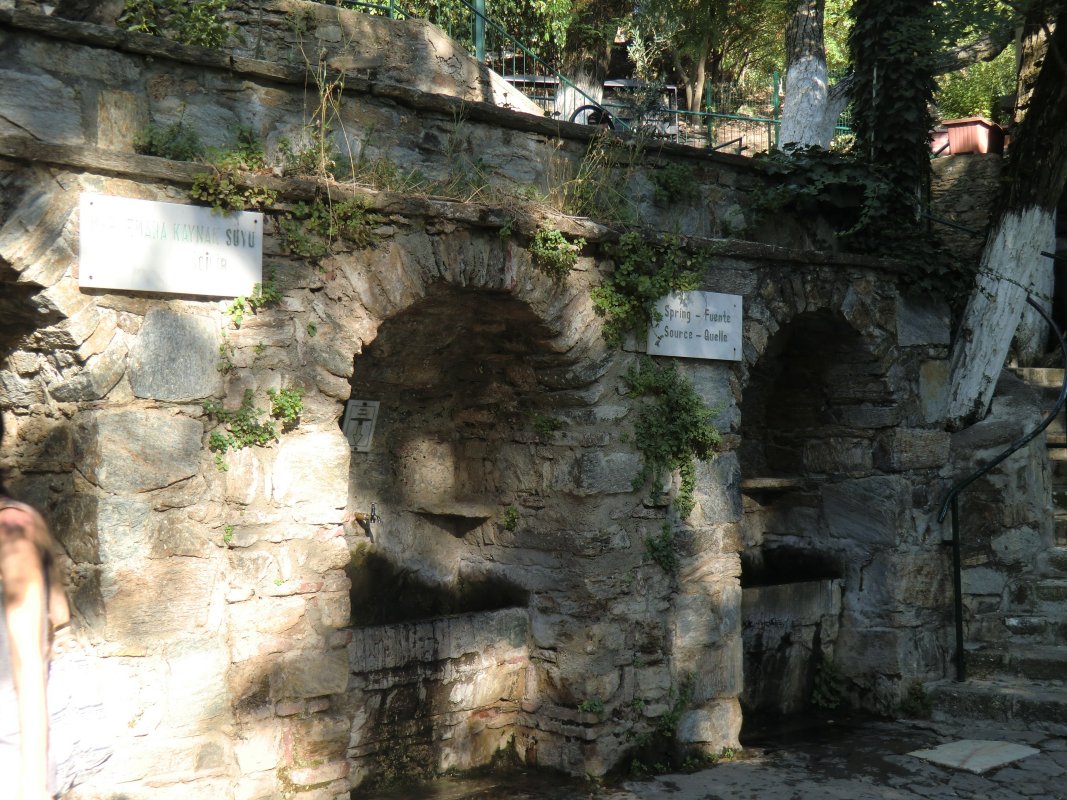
852, 761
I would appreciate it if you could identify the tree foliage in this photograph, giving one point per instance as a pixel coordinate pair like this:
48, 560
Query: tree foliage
893, 51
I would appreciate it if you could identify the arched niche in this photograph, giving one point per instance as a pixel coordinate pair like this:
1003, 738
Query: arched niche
809, 416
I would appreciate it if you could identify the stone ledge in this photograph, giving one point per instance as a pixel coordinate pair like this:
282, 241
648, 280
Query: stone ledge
25, 148
157, 47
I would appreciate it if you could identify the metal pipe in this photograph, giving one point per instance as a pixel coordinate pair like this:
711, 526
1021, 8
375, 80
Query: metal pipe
952, 498
957, 589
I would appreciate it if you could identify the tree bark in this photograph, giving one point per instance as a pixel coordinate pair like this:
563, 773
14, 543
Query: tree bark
1024, 224
807, 92
803, 120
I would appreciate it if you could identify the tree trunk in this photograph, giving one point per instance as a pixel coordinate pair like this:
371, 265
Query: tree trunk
805, 109
1024, 225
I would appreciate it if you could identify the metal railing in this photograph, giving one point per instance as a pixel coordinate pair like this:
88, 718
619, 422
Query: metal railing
718, 126
951, 501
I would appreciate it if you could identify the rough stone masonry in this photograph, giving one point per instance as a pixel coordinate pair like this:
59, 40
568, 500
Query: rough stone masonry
256, 631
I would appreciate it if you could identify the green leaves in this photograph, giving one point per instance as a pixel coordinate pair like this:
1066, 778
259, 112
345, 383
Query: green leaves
196, 23
672, 429
553, 254
242, 427
645, 271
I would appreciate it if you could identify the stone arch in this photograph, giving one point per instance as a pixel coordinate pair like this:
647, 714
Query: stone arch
819, 508
474, 356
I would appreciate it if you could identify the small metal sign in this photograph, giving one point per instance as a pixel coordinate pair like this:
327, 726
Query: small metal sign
697, 325
358, 425
150, 246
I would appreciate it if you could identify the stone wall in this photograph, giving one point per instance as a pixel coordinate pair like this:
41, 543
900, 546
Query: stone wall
962, 192
256, 635
451, 688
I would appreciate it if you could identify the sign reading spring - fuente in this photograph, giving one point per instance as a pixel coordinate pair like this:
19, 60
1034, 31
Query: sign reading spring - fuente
149, 246
697, 325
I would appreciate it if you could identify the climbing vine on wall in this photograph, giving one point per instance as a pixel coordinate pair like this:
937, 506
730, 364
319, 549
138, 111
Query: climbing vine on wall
672, 429
645, 271
198, 23
892, 45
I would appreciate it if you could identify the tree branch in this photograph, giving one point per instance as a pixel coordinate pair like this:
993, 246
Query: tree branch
985, 48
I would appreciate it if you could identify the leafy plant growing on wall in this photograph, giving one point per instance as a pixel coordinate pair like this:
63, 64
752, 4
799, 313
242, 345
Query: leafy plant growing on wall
286, 406
224, 190
177, 141
645, 271
553, 254
672, 184
511, 518
672, 430
243, 427
310, 229
263, 295
198, 23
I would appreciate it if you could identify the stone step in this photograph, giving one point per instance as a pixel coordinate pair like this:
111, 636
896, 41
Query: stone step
1042, 377
1056, 557
1031, 629
1018, 704
1044, 663
1052, 590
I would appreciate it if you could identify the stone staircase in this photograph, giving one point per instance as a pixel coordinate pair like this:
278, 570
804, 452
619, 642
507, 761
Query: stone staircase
1020, 679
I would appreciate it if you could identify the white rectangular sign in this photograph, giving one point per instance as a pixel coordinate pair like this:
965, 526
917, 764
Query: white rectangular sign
149, 246
697, 325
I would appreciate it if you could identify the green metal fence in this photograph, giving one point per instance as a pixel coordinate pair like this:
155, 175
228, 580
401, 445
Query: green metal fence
739, 119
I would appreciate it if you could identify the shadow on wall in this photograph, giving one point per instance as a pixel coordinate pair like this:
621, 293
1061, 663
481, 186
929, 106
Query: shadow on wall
384, 593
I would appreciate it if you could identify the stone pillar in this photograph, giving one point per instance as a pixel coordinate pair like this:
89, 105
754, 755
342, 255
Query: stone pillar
706, 646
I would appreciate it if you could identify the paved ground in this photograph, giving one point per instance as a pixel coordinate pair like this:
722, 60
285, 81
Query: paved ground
853, 761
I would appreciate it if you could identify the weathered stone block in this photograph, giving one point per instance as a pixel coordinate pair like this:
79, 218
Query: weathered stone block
311, 474
97, 378
160, 600
1018, 546
838, 456
871, 511
718, 490
137, 450
607, 473
310, 674
983, 580
716, 726
913, 448
120, 116
176, 357
40, 105
922, 319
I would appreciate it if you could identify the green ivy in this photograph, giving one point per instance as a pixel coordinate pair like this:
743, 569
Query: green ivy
673, 430
511, 518
243, 427
553, 254
263, 295
893, 47
592, 705
860, 202
645, 271
286, 405
545, 425
197, 23
660, 549
247, 154
224, 190
177, 141
310, 229
844, 189
672, 184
